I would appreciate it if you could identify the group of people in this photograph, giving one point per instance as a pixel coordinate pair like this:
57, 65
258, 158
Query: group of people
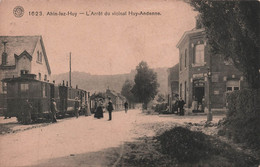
77, 108
198, 106
179, 106
99, 108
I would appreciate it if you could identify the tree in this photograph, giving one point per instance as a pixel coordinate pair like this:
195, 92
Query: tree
232, 29
146, 85
126, 91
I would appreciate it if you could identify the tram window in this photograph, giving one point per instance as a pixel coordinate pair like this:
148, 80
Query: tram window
4, 88
44, 90
24, 87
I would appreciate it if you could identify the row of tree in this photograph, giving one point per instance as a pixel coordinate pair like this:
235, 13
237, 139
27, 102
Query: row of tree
144, 88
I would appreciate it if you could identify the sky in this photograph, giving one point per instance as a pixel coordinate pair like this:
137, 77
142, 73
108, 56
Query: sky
102, 44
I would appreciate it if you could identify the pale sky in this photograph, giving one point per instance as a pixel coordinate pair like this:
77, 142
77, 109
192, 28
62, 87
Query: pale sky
102, 44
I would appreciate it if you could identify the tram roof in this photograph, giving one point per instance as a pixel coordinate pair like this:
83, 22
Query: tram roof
21, 79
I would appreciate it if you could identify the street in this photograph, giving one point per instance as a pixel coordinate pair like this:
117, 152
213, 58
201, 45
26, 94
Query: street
85, 141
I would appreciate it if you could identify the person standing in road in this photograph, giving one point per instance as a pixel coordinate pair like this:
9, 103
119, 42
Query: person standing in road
26, 112
53, 110
126, 106
110, 108
181, 104
76, 107
99, 111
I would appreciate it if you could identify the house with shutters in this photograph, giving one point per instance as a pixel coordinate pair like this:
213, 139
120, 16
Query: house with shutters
22, 55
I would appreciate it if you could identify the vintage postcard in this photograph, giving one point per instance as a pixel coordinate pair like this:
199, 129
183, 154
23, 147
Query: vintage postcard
112, 83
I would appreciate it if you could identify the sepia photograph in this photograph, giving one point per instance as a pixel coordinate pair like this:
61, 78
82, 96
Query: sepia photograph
129, 83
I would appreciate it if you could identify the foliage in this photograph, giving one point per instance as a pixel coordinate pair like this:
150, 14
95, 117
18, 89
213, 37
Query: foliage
242, 121
183, 144
232, 29
146, 85
161, 98
99, 95
160, 107
191, 147
126, 91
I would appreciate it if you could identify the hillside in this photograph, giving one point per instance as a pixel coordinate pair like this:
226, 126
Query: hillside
97, 83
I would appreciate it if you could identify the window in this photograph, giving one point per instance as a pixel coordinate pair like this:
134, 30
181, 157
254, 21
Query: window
185, 89
232, 85
40, 76
45, 77
185, 58
180, 62
199, 54
4, 88
4, 58
39, 57
44, 91
229, 89
24, 72
180, 90
24, 87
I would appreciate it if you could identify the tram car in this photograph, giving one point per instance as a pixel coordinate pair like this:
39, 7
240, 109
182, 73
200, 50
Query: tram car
26, 89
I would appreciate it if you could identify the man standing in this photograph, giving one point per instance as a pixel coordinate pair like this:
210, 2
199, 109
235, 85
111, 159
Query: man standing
181, 104
126, 106
110, 108
76, 107
53, 110
26, 112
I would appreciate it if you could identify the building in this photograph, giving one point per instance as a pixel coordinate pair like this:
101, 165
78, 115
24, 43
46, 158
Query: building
117, 99
22, 55
195, 63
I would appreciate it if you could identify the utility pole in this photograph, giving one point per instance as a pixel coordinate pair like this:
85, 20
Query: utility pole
70, 70
209, 75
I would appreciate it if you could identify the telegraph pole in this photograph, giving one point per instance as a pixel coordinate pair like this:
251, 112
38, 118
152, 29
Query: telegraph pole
70, 70
209, 75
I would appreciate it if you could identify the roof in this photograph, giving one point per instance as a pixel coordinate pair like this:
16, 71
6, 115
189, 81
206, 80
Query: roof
187, 33
27, 77
18, 44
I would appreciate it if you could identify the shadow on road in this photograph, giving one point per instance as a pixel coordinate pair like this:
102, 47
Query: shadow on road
106, 157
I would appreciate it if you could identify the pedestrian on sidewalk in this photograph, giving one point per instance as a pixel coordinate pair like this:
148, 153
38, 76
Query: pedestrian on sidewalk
181, 104
53, 110
110, 108
126, 106
76, 107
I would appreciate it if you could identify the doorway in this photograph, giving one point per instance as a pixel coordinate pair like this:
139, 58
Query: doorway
199, 92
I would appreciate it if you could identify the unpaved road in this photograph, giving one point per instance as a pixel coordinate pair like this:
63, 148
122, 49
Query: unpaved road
85, 141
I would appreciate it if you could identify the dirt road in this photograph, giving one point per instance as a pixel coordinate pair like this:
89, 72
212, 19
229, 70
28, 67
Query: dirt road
85, 141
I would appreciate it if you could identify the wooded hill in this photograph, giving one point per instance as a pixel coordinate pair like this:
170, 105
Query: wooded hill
99, 83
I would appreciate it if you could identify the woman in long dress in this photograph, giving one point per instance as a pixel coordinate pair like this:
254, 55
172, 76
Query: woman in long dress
99, 110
